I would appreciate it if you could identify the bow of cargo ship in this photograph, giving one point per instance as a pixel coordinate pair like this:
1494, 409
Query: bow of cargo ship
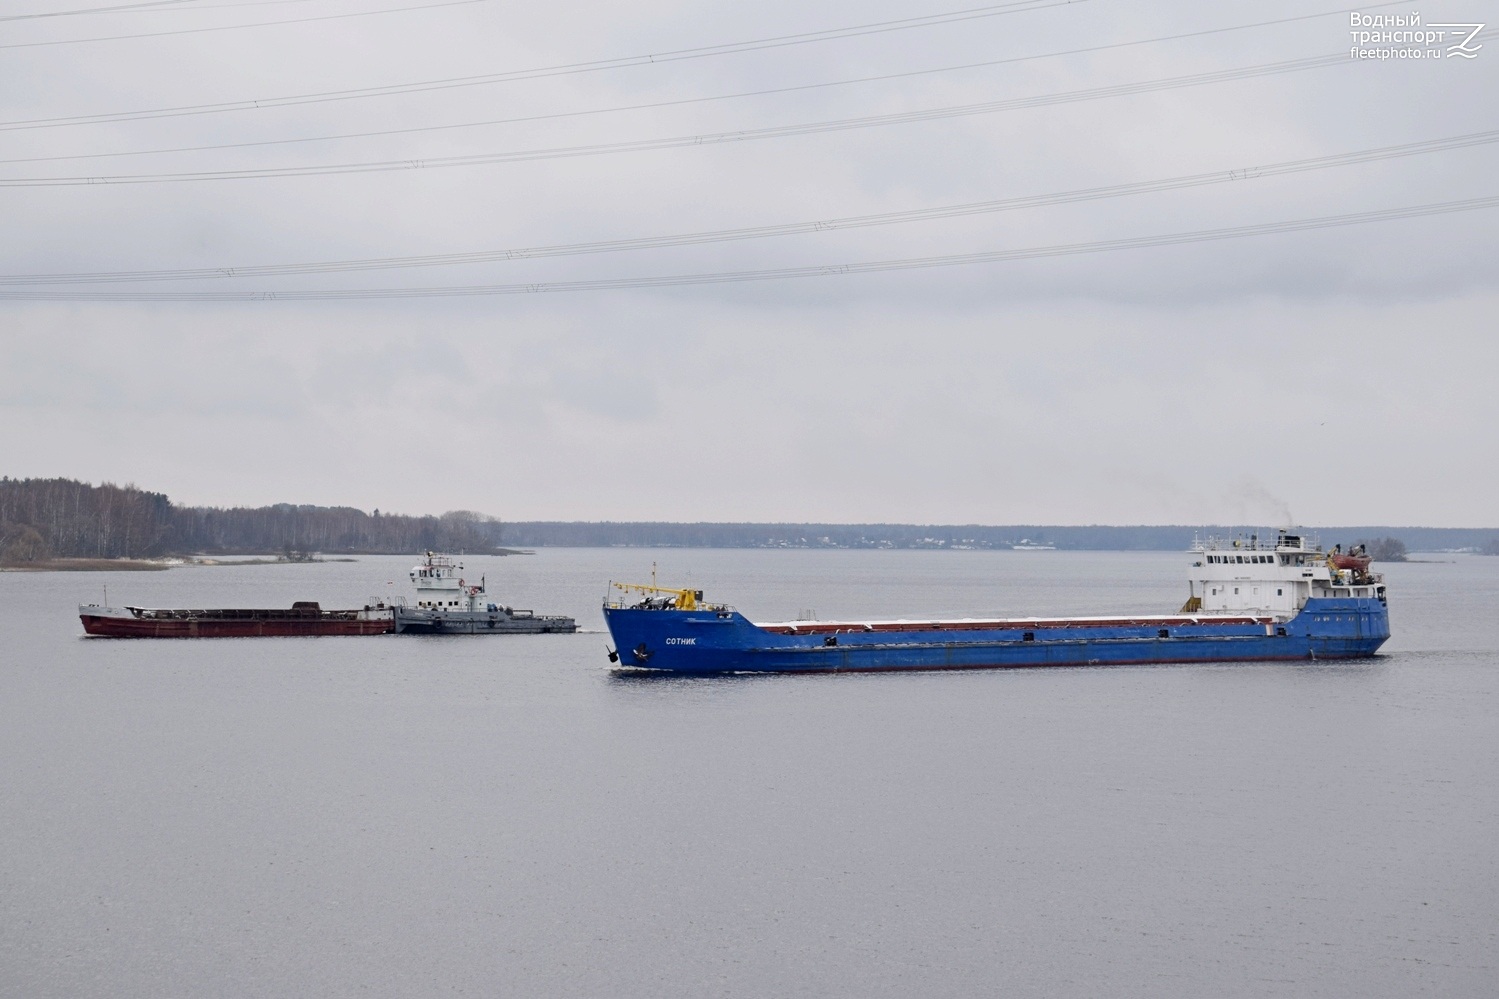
676, 631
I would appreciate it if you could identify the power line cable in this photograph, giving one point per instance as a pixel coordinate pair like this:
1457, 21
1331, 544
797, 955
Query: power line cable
702, 52
469, 81
763, 232
233, 27
774, 274
701, 139
94, 10
651, 106
198, 5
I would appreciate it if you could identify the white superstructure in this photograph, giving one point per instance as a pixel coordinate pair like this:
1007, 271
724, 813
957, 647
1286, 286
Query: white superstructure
439, 586
1243, 575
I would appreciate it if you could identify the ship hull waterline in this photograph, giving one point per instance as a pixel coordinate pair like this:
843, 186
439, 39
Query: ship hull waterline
718, 641
426, 622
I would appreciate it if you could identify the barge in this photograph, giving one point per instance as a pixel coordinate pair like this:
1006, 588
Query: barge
305, 617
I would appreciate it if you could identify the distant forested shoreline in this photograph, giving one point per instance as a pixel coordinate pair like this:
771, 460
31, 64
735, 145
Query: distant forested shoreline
63, 518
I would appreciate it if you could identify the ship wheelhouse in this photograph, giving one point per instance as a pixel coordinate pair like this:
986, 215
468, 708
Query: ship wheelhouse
439, 586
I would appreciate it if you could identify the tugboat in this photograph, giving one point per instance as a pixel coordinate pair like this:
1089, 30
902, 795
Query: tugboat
447, 604
1257, 601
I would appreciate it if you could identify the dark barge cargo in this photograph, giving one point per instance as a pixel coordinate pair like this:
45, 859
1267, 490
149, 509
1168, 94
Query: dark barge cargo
304, 617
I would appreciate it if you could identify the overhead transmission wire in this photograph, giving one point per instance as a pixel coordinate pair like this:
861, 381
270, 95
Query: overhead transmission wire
646, 107
769, 231
615, 63
94, 10
773, 274
153, 7
233, 27
699, 139
250, 3
1018, 5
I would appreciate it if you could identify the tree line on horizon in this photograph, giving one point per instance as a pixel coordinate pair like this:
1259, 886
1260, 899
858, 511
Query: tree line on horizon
64, 518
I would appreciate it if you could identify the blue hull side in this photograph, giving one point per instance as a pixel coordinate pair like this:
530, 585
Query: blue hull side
724, 641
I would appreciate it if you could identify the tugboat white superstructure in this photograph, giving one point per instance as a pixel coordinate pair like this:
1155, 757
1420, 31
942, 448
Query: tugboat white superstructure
447, 604
1248, 601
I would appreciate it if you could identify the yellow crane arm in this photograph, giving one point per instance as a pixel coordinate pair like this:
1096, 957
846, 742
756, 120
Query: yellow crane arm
681, 599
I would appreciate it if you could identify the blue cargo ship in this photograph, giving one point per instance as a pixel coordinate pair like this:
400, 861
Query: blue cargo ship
1250, 600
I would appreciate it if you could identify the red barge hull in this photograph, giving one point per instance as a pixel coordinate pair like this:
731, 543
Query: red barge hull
302, 619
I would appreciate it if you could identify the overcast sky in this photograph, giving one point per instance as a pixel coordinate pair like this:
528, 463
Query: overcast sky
1334, 373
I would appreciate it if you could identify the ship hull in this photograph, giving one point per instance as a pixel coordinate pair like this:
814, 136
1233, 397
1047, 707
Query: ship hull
723, 641
417, 621
106, 622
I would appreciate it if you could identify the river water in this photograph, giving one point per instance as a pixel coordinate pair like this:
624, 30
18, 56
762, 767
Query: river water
502, 816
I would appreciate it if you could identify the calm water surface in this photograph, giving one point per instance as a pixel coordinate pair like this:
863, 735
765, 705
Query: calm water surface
503, 816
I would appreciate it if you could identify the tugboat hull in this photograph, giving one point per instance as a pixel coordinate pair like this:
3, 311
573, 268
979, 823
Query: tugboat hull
416, 621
